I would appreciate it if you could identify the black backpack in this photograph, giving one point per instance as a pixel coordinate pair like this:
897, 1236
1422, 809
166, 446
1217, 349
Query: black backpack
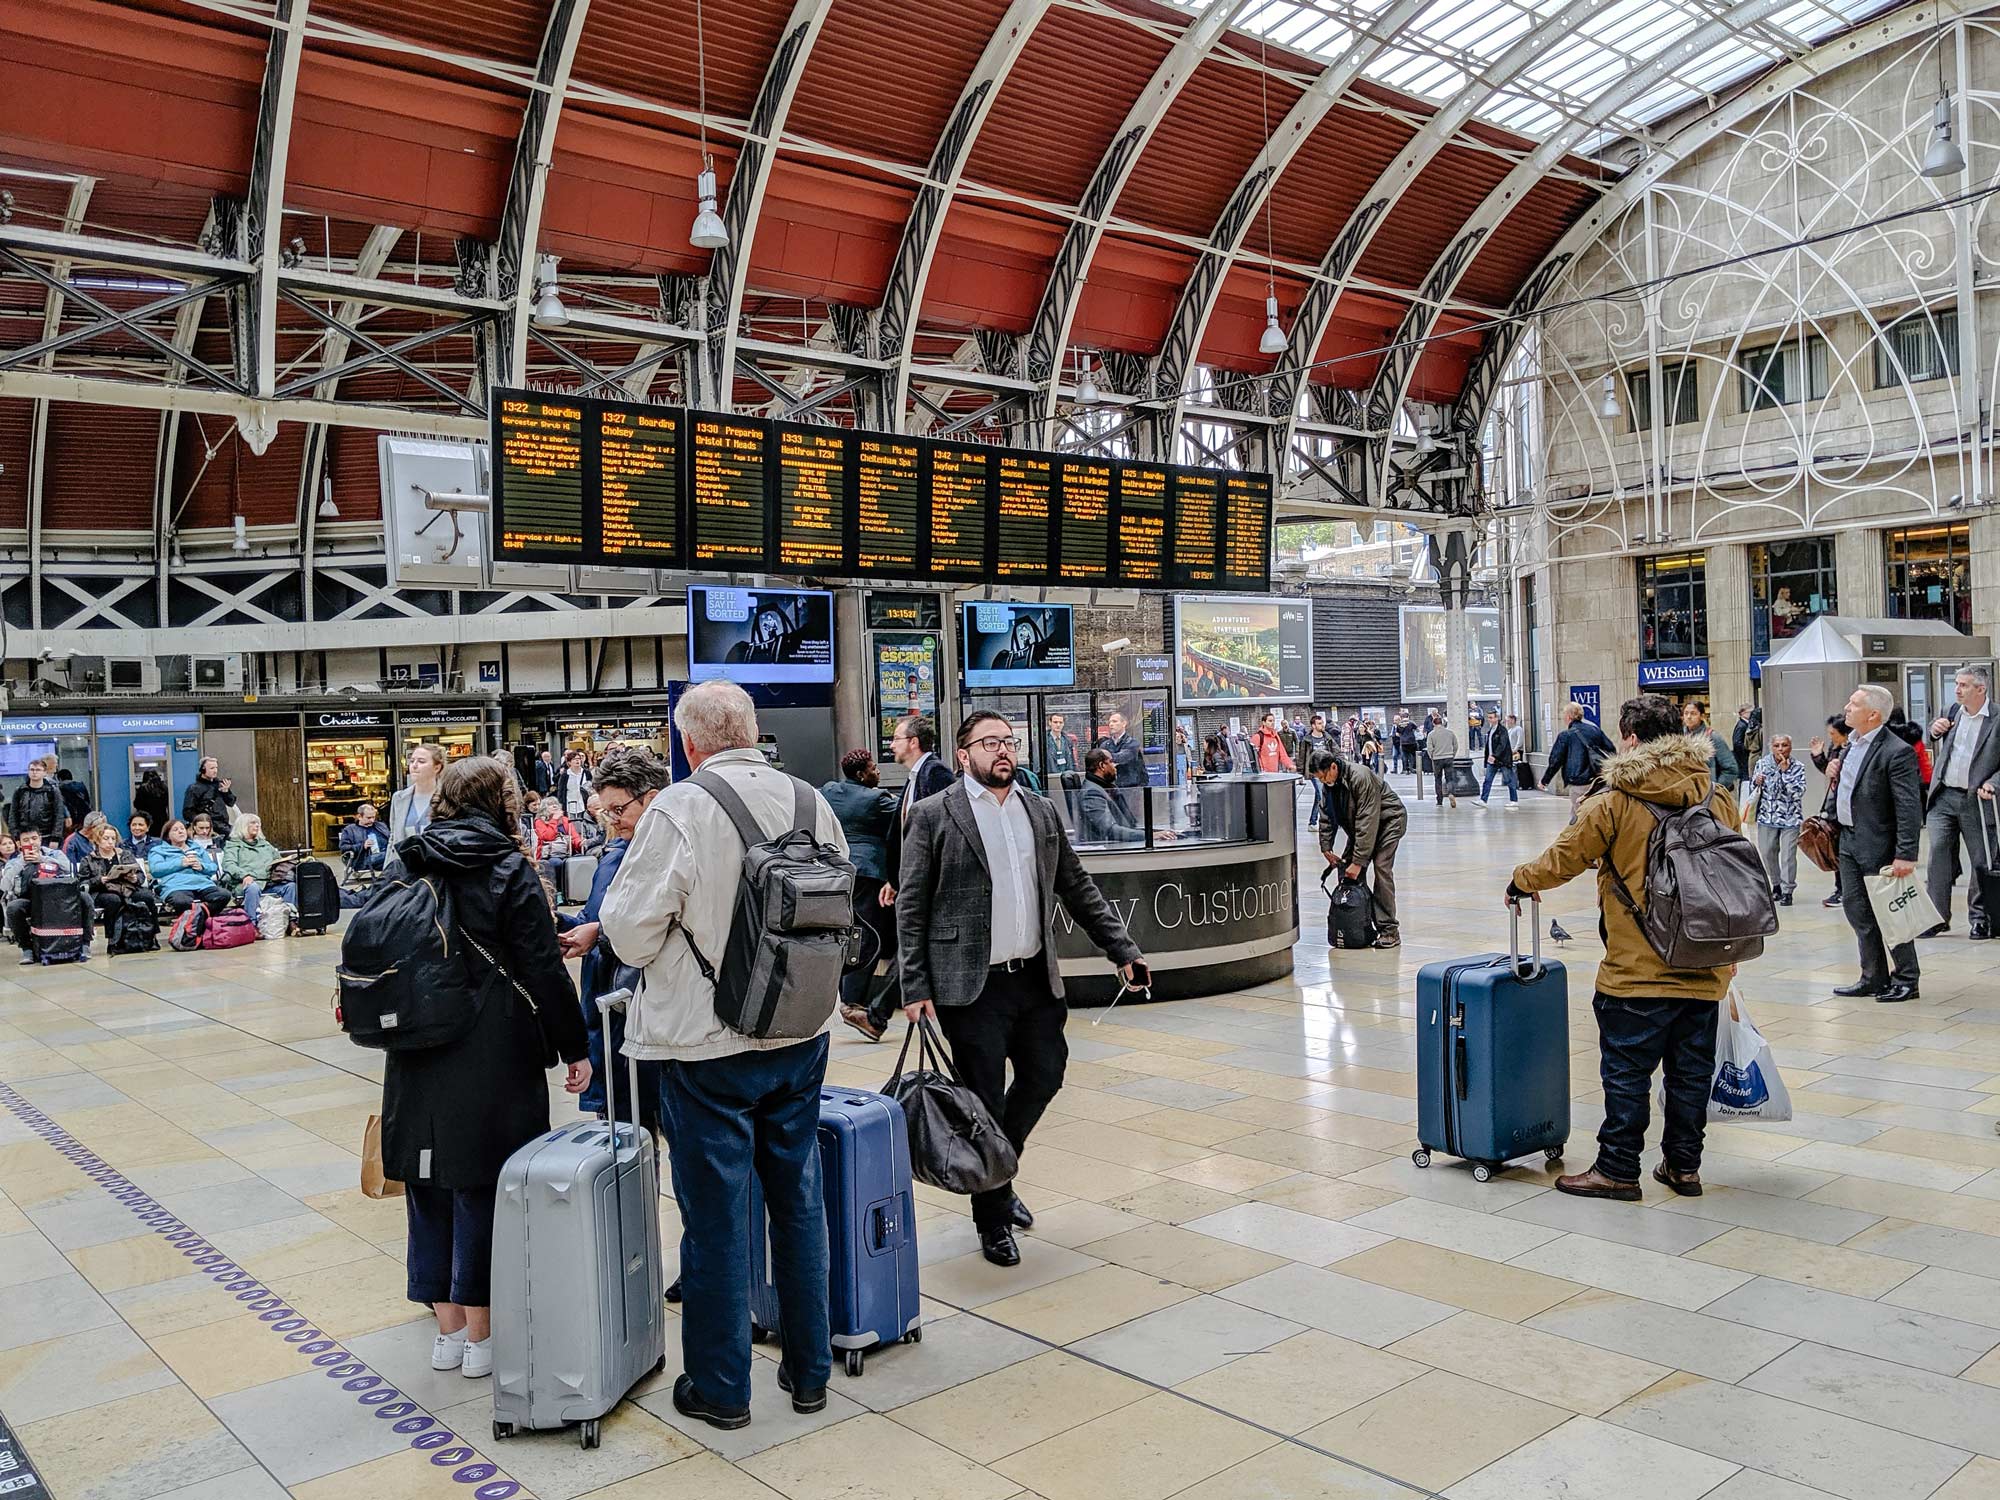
1708, 898
405, 982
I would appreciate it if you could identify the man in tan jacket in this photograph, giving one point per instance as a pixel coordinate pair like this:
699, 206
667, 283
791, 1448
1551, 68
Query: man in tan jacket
1648, 1015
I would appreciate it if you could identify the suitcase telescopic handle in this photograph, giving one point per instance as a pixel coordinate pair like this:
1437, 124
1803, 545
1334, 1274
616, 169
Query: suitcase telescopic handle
617, 1000
1535, 968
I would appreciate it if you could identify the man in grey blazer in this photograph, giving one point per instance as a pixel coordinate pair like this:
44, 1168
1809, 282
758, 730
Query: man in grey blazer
983, 867
1965, 763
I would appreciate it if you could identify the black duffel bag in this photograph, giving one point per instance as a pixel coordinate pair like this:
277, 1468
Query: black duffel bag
1350, 917
955, 1144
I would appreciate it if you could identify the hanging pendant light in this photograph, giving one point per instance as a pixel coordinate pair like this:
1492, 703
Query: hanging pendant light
549, 309
1425, 442
1943, 158
709, 232
1273, 340
1086, 385
1609, 409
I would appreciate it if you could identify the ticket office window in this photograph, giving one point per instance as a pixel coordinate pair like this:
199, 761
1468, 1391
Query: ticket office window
1791, 584
345, 768
1673, 607
1930, 573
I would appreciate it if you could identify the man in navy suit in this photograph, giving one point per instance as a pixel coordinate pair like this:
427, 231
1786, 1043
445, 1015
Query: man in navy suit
914, 745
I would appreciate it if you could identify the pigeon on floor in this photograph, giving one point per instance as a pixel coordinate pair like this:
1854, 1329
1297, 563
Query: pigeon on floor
1556, 931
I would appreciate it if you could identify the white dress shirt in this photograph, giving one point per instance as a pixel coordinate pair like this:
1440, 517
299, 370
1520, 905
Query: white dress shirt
1850, 772
1964, 742
1010, 861
910, 786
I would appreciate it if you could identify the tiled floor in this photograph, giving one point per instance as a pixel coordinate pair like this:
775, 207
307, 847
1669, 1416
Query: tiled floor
1239, 1285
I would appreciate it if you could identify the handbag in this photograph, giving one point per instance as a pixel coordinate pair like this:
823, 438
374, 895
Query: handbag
955, 1144
1819, 841
375, 1183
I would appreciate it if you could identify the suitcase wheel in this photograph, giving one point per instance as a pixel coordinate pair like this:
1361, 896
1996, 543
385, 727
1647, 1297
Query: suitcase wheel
914, 1336
759, 1334
588, 1434
1553, 1155
855, 1359
1421, 1157
1481, 1172
502, 1430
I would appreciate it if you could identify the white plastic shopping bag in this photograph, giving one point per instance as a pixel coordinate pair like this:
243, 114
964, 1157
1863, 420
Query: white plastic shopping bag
1746, 1084
1902, 906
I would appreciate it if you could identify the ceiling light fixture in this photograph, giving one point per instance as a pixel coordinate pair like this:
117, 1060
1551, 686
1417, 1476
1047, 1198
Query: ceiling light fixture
709, 232
1272, 340
1942, 158
241, 544
1609, 409
1086, 384
549, 309
1425, 442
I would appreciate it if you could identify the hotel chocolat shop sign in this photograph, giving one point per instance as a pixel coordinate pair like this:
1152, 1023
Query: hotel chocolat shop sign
1171, 908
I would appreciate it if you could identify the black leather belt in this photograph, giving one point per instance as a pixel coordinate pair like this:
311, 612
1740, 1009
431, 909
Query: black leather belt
1015, 965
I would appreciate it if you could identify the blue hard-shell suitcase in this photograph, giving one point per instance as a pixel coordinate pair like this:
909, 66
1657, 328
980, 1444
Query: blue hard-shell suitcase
1493, 1057
871, 1229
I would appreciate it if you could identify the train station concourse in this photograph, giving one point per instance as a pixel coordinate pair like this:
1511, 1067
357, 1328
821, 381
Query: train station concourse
1016, 749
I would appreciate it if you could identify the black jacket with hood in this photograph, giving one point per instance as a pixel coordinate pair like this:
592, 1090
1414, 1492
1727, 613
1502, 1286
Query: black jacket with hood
451, 1116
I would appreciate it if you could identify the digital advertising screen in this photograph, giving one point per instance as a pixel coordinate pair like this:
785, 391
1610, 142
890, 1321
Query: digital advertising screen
1424, 656
760, 635
1007, 645
1236, 649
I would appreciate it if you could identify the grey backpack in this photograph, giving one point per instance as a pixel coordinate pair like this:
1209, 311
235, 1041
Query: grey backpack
1708, 898
793, 927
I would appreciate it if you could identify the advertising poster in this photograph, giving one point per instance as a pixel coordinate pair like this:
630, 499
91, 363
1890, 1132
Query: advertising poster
1243, 650
1424, 654
906, 678
760, 635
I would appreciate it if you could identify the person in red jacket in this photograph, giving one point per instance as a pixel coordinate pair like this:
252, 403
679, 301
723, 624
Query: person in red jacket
1270, 747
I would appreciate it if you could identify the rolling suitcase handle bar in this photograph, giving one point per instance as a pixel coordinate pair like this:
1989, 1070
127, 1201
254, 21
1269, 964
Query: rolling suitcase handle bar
616, 1000
1534, 968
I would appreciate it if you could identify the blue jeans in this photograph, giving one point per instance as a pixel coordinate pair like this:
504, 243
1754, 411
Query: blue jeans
449, 1257
1513, 786
253, 891
1635, 1039
1319, 801
726, 1117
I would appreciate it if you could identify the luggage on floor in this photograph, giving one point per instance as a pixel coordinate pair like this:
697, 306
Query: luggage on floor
59, 920
1986, 871
318, 896
579, 1312
955, 1143
275, 917
1493, 1056
184, 936
1460, 780
577, 873
1524, 774
136, 929
1350, 917
871, 1229
228, 929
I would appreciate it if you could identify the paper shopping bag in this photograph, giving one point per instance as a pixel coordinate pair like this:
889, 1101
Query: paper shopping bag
374, 1184
1902, 908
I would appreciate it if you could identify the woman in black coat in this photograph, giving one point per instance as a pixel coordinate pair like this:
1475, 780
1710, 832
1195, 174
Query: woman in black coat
452, 1115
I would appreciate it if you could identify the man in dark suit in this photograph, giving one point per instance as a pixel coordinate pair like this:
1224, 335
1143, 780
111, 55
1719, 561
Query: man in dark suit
1879, 800
914, 746
984, 867
1966, 761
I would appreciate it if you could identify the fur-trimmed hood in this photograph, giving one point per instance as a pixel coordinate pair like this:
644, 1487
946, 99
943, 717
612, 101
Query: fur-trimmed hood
1673, 770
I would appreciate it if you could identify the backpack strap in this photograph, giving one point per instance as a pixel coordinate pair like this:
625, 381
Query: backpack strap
748, 829
1618, 887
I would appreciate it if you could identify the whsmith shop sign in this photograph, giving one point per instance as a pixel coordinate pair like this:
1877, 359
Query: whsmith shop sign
1689, 672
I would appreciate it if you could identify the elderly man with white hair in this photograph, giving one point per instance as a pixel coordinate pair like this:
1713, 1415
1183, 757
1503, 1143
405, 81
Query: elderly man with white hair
730, 1103
1967, 761
1879, 801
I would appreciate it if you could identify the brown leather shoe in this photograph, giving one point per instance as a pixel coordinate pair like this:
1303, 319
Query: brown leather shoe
1687, 1184
1594, 1184
857, 1017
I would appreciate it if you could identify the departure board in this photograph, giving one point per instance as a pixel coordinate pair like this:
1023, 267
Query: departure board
1021, 533
1142, 525
1246, 531
1085, 526
639, 480
812, 498
888, 496
959, 505
1197, 527
538, 447
726, 495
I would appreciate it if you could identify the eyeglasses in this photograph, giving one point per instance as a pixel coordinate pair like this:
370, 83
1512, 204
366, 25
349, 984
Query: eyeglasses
620, 810
993, 744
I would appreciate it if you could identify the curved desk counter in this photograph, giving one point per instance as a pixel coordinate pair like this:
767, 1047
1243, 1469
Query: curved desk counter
1208, 885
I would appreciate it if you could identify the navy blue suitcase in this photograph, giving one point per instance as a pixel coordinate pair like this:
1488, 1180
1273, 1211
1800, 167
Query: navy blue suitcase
871, 1229
1493, 1057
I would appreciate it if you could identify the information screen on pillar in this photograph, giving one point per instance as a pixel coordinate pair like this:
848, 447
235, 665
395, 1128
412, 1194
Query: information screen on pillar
1009, 646
1425, 658
813, 499
539, 483
727, 509
760, 635
1237, 649
1083, 508
639, 469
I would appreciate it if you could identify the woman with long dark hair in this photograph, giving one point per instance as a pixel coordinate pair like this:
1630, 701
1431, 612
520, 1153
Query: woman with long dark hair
452, 1115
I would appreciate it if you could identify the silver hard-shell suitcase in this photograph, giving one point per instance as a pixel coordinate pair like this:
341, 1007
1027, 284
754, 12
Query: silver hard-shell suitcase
578, 1314
577, 873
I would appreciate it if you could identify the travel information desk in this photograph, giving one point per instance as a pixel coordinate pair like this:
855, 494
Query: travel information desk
1214, 907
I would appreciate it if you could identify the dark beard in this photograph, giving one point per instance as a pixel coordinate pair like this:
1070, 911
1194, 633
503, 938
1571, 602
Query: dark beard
992, 776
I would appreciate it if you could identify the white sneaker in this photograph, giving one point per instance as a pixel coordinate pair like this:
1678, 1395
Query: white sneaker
448, 1350
478, 1358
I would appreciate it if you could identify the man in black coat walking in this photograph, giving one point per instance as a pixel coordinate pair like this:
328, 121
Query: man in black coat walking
1879, 801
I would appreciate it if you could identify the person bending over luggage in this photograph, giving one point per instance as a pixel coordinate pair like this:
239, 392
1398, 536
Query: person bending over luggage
1374, 819
364, 843
1648, 1015
30, 861
114, 879
731, 1104
249, 859
185, 872
453, 1114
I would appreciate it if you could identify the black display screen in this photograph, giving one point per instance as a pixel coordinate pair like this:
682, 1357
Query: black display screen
813, 499
1085, 509
728, 506
1021, 532
960, 503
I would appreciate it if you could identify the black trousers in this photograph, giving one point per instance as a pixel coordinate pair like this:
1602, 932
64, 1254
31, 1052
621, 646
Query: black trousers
214, 897
1877, 969
856, 988
1015, 1020
1635, 1039
111, 904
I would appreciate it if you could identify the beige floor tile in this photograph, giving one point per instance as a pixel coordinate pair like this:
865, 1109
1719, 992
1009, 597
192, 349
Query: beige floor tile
1184, 1257
1154, 1448
1305, 1153
1289, 1472
232, 1355
1268, 1114
1898, 1201
1559, 1371
372, 1219
1359, 1130
1081, 1176
1229, 1174
1078, 1221
1375, 1080
873, 1456
292, 1246
163, 1307
1978, 1480
1328, 1197
1436, 1429
1089, 1302
1093, 1104
350, 1300
1468, 1281
150, 1444
408, 1475
703, 1477
1015, 1408
1302, 1381
1938, 1145
1190, 1127
1854, 1272
1178, 1202
1118, 1143
973, 1281
1985, 1370
139, 1261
